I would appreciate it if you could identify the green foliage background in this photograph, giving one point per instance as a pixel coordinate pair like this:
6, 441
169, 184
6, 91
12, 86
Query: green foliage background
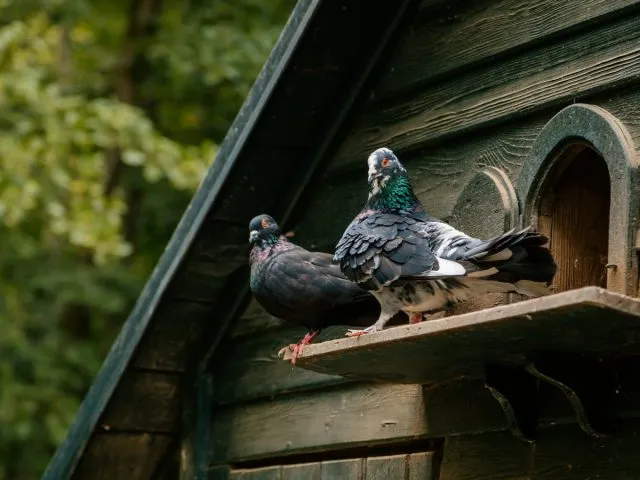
110, 113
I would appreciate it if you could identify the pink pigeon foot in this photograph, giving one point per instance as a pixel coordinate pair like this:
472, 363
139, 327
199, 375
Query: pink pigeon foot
296, 348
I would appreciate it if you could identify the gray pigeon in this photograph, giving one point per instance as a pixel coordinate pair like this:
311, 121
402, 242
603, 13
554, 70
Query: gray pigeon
416, 263
303, 287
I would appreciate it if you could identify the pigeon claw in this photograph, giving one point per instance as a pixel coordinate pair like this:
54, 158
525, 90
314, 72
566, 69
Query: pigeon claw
355, 333
296, 348
283, 350
415, 318
358, 333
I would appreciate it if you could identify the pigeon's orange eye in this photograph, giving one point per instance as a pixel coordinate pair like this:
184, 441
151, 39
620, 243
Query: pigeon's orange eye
385, 162
264, 223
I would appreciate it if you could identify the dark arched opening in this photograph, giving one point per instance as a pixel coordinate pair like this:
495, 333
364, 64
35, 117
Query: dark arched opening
573, 211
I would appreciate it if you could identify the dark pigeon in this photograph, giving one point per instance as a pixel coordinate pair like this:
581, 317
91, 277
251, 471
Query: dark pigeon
416, 263
303, 287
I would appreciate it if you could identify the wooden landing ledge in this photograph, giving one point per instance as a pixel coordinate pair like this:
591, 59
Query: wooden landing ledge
588, 320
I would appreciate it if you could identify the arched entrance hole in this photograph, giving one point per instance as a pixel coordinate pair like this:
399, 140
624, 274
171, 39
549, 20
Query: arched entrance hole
573, 212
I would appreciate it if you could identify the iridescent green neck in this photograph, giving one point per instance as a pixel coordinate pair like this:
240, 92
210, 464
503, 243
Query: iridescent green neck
270, 241
396, 194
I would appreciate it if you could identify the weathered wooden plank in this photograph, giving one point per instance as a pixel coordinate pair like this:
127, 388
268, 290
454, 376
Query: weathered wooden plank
566, 452
459, 346
195, 441
466, 33
351, 469
221, 246
417, 466
144, 401
266, 473
303, 471
461, 407
331, 207
254, 319
325, 420
565, 71
134, 457
421, 466
490, 456
449, 409
197, 282
249, 368
167, 344
385, 468
232, 214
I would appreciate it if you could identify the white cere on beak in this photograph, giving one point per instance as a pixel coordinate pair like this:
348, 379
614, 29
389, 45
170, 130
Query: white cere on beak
253, 234
371, 161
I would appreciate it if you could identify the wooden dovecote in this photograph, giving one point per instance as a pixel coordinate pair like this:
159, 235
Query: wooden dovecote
579, 186
498, 108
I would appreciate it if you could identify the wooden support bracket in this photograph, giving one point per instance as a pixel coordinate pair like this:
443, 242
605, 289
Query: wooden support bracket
517, 393
588, 383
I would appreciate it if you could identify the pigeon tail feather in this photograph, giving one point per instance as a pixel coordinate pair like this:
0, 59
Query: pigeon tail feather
513, 257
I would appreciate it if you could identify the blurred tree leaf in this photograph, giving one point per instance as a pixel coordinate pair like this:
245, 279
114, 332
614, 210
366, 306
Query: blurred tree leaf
106, 129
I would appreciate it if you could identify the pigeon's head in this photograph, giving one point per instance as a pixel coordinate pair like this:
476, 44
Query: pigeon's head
263, 229
383, 166
389, 183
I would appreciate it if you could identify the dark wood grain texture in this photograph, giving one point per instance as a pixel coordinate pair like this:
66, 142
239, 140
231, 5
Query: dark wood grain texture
326, 420
254, 320
564, 452
249, 367
467, 33
350, 469
421, 466
489, 456
145, 401
266, 473
357, 415
195, 441
415, 466
310, 471
166, 346
530, 81
384, 468
459, 346
461, 407
122, 456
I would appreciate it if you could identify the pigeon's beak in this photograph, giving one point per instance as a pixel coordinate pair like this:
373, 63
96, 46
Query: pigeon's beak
373, 174
253, 236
